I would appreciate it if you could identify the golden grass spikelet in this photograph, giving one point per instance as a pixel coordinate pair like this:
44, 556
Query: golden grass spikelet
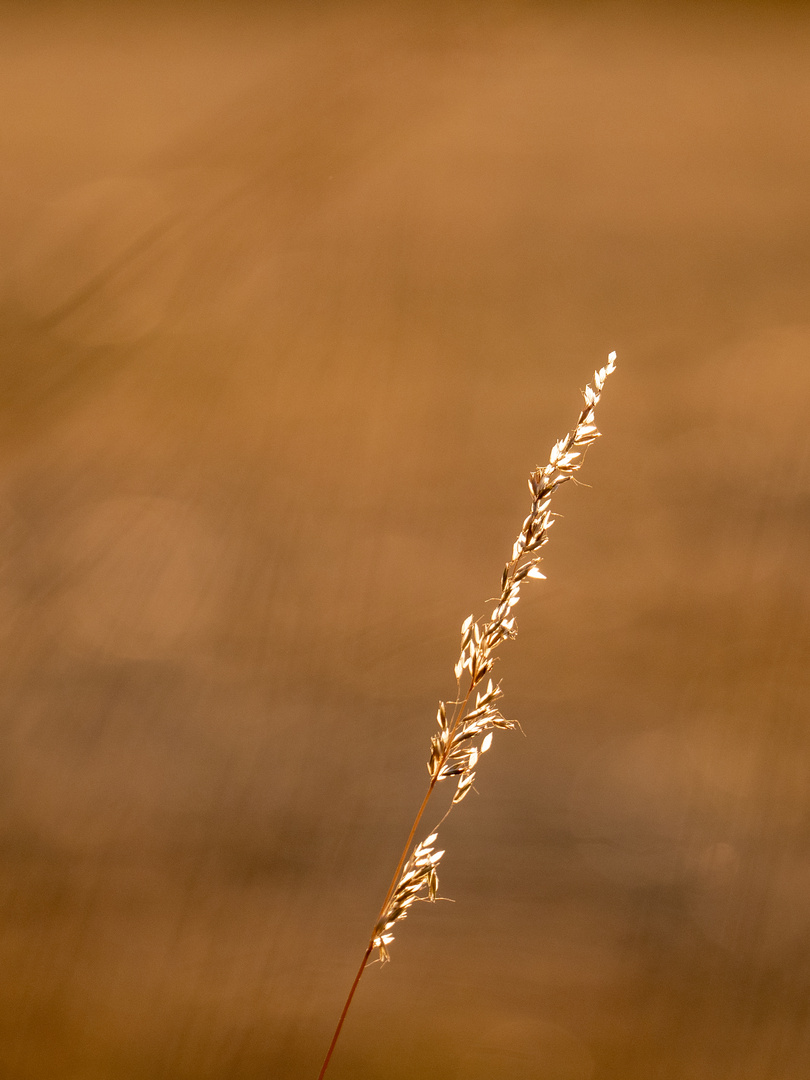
465, 731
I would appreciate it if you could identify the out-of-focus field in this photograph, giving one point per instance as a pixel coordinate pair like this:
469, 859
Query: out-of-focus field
292, 298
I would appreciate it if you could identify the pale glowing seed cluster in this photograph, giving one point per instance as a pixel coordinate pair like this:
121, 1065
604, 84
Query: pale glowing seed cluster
418, 876
466, 732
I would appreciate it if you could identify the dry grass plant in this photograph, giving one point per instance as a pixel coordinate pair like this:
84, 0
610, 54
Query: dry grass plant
465, 727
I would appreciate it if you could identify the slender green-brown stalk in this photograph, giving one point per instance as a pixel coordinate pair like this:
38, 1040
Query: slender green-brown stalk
466, 732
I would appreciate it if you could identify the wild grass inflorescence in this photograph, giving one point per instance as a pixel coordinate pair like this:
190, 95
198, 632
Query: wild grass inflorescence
465, 727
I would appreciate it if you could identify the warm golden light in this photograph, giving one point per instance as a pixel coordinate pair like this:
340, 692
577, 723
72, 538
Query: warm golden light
292, 299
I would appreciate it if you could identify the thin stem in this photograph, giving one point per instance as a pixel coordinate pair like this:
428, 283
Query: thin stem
370, 945
388, 895
420, 812
406, 849
355, 984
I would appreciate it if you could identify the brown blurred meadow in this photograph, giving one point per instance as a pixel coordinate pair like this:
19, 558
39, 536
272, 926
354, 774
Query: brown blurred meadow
292, 299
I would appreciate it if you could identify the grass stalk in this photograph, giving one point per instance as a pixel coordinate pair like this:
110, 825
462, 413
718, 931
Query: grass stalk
465, 732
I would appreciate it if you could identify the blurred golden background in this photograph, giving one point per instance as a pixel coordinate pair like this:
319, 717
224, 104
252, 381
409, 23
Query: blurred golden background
292, 299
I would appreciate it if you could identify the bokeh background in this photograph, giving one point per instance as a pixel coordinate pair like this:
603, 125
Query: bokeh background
292, 299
